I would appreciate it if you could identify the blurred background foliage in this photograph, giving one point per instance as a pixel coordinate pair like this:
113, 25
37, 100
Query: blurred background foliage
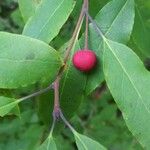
98, 116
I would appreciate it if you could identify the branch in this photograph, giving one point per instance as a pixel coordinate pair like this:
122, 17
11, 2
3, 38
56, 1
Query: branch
76, 32
37, 93
56, 111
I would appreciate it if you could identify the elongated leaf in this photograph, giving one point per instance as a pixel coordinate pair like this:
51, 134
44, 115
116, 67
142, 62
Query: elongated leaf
7, 105
116, 21
141, 34
25, 61
72, 87
48, 19
49, 144
45, 107
129, 81
28, 8
85, 143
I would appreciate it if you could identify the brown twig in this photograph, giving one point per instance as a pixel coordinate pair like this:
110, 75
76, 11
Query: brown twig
56, 112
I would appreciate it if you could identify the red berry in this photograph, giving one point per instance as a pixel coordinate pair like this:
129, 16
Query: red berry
84, 60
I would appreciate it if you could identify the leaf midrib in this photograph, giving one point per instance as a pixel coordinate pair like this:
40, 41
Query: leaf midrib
85, 147
21, 61
8, 105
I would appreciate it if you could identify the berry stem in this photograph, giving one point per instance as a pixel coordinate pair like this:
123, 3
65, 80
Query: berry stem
96, 27
87, 24
76, 31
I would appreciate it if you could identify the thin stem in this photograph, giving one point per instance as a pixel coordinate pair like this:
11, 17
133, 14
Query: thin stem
37, 93
66, 122
52, 128
75, 34
56, 92
86, 2
56, 111
96, 27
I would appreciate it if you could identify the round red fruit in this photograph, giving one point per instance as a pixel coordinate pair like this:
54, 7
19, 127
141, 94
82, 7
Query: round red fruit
84, 60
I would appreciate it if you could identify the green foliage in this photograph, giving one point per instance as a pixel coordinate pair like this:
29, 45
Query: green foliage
131, 97
98, 119
70, 96
22, 133
25, 61
85, 143
45, 107
74, 82
7, 105
49, 144
116, 25
48, 19
141, 32
28, 8
28, 63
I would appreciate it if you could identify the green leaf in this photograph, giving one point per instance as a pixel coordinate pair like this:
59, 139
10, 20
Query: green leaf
28, 8
141, 34
7, 105
45, 107
129, 81
49, 144
25, 61
48, 19
116, 21
85, 143
72, 86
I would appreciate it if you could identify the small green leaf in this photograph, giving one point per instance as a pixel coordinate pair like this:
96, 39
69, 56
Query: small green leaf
49, 144
85, 143
48, 19
116, 21
129, 81
25, 61
28, 8
7, 105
